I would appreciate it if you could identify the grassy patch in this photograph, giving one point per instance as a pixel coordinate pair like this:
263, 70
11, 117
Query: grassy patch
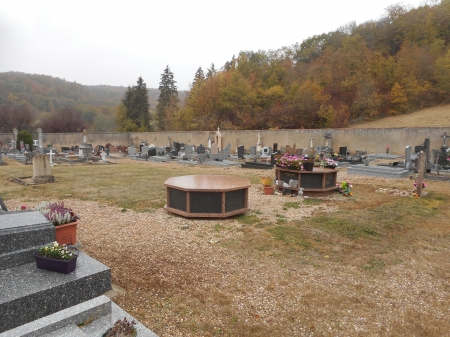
281, 219
342, 226
289, 235
250, 219
295, 205
313, 201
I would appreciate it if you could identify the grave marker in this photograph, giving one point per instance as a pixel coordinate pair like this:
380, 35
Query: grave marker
240, 151
445, 136
408, 164
214, 149
41, 170
226, 151
421, 172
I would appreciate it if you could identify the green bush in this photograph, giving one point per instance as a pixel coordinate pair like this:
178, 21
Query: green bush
24, 136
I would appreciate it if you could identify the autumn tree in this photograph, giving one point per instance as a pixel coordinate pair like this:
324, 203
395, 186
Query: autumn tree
211, 71
167, 106
15, 116
65, 119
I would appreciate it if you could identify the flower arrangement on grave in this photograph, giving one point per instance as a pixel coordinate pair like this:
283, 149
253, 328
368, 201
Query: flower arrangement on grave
345, 188
266, 181
414, 193
328, 162
57, 212
122, 328
387, 148
290, 161
56, 251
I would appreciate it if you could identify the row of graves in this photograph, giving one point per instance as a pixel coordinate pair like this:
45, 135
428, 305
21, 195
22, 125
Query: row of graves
437, 162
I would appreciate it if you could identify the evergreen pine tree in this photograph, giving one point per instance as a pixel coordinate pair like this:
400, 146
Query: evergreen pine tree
137, 106
211, 71
168, 98
199, 77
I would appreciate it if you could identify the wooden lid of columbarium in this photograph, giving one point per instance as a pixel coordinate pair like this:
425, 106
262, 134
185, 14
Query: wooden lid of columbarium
207, 195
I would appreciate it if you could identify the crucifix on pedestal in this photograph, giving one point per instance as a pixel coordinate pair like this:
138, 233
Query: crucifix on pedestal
51, 153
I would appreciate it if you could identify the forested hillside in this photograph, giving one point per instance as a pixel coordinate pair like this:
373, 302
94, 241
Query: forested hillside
398, 64
28, 100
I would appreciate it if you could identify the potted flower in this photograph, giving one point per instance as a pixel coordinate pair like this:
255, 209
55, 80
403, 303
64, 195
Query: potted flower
345, 189
64, 220
122, 327
290, 161
309, 164
387, 148
56, 257
267, 183
328, 162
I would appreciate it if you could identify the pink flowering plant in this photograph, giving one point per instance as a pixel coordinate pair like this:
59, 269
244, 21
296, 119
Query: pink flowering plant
57, 212
290, 161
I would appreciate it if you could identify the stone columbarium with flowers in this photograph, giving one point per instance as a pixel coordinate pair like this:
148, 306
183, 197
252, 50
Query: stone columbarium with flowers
297, 172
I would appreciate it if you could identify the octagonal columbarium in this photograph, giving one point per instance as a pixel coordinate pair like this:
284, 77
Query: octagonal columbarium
207, 196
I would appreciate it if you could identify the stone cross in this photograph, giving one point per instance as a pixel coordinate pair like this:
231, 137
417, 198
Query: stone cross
311, 142
445, 136
51, 153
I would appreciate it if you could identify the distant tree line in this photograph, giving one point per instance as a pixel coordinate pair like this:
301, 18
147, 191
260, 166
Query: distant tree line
392, 66
397, 64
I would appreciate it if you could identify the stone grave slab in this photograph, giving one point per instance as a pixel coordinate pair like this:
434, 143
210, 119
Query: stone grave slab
34, 293
379, 171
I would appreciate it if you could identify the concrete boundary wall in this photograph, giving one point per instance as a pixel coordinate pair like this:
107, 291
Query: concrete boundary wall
371, 140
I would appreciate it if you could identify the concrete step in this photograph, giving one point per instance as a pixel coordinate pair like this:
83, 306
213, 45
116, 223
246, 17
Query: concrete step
21, 233
91, 318
68, 331
28, 293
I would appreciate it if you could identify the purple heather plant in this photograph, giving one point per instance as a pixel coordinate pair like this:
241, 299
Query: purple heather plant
57, 213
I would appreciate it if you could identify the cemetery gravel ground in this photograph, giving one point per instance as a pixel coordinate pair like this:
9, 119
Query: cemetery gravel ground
375, 264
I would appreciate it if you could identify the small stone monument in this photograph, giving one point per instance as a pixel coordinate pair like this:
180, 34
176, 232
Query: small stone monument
41, 170
218, 140
258, 143
15, 132
85, 149
1, 160
39, 142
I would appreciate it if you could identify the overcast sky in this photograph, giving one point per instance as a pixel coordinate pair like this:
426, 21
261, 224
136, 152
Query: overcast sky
114, 42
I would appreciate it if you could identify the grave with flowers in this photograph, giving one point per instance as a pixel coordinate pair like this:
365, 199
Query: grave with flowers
36, 301
299, 168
